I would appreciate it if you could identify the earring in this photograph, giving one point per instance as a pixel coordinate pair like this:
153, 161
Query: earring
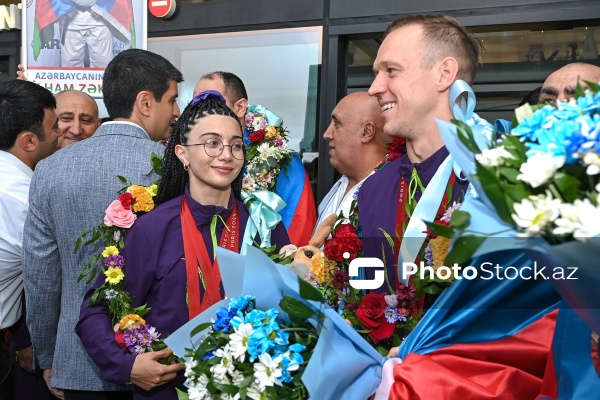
186, 166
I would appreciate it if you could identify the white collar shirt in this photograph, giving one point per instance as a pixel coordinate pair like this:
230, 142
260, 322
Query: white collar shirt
14, 203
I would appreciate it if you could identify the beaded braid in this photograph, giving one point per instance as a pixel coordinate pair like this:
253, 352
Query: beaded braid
174, 177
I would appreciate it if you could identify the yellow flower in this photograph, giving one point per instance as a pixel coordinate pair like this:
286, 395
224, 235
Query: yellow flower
153, 190
322, 267
270, 132
110, 251
439, 250
131, 320
114, 275
143, 199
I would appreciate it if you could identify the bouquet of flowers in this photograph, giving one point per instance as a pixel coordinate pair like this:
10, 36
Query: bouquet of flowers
278, 343
541, 180
252, 353
267, 149
131, 331
383, 319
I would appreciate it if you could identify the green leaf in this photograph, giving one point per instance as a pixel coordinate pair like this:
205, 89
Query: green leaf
122, 179
460, 220
440, 230
594, 87
580, 90
309, 292
567, 185
491, 186
157, 163
510, 174
181, 395
465, 135
200, 328
516, 192
389, 239
463, 249
296, 308
229, 389
433, 289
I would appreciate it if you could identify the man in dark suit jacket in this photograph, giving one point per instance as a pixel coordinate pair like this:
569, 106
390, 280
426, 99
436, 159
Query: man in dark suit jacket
69, 194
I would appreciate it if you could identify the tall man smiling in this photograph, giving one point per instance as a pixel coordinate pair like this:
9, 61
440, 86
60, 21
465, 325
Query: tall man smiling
421, 59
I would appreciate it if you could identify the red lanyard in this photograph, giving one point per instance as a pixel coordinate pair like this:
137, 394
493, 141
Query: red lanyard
197, 259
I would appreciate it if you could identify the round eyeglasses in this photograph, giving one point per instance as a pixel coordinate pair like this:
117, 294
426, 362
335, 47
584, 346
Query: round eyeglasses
214, 148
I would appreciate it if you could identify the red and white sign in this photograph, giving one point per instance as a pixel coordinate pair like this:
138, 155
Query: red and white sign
161, 8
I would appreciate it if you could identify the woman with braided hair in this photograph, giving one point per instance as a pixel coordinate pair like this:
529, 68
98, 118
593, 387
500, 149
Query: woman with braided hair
170, 251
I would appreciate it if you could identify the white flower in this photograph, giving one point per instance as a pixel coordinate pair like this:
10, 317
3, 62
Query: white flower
598, 188
568, 221
189, 365
540, 168
535, 213
236, 377
238, 341
493, 157
592, 160
267, 370
580, 218
198, 391
221, 369
256, 393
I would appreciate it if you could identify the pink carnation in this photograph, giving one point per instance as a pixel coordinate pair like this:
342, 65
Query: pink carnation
117, 215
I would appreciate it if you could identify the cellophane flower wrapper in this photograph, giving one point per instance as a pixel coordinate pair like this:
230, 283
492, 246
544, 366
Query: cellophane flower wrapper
343, 364
582, 293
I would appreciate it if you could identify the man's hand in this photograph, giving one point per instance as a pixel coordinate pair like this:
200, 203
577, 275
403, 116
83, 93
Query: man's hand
147, 373
25, 359
393, 352
21, 72
57, 392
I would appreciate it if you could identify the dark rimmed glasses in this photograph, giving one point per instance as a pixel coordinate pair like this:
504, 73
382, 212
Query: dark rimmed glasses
214, 148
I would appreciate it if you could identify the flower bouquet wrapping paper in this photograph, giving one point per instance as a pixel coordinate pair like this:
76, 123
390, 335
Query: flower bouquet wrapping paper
343, 364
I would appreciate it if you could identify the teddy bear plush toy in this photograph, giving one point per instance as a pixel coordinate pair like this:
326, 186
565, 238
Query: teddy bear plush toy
303, 256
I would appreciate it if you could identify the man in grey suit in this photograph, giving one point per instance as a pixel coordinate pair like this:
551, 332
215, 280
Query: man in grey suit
69, 193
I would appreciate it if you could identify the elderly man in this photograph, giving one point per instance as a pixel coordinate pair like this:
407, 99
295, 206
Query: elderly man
140, 93
561, 84
356, 149
28, 134
299, 214
77, 116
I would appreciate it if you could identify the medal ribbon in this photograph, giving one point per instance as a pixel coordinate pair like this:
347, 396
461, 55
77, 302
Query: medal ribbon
198, 263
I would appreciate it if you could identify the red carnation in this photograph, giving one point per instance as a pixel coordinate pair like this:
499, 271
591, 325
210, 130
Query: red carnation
126, 200
396, 148
120, 338
346, 230
371, 313
257, 136
335, 248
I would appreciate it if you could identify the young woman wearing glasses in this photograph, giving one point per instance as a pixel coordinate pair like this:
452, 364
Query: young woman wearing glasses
170, 252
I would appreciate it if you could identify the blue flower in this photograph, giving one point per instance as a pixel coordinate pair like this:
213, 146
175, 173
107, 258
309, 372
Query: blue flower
255, 317
258, 343
241, 303
223, 320
391, 315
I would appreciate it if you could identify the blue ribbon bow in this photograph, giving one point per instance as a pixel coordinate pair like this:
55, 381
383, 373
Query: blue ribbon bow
264, 207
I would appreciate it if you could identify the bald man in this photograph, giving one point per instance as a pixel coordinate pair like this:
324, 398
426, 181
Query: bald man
357, 146
561, 84
77, 116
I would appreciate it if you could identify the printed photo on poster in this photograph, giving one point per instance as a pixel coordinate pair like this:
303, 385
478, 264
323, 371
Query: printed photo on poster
67, 44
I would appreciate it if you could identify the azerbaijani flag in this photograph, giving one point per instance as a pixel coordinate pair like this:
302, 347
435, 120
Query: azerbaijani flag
119, 14
47, 12
299, 216
483, 339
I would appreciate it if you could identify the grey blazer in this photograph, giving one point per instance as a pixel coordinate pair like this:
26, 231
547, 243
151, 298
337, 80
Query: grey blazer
69, 193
